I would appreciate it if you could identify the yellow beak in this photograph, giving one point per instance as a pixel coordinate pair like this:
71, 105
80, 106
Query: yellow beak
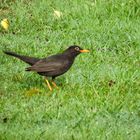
82, 51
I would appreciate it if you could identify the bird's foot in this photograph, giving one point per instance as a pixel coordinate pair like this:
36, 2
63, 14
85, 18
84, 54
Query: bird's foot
54, 84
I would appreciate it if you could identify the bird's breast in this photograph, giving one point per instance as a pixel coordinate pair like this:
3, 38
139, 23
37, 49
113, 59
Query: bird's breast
66, 65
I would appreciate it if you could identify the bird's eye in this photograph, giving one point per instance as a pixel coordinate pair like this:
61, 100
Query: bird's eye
76, 48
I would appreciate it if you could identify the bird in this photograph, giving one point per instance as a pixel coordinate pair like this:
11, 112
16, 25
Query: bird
51, 66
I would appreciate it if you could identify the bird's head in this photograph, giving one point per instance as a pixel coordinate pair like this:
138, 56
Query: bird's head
75, 50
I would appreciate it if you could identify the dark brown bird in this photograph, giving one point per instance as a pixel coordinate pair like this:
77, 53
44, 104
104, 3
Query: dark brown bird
51, 66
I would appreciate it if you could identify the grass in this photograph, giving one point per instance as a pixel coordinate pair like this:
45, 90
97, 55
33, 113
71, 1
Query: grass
99, 98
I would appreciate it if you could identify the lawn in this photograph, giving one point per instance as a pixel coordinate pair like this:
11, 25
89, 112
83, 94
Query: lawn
99, 97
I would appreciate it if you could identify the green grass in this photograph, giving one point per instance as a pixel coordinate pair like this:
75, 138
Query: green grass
99, 98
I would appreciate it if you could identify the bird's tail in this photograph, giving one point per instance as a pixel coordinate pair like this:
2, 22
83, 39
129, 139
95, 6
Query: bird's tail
27, 59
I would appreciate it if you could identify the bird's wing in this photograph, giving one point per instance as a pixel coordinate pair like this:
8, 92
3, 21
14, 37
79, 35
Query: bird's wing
47, 65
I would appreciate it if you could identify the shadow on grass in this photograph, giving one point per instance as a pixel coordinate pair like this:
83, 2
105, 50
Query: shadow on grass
37, 81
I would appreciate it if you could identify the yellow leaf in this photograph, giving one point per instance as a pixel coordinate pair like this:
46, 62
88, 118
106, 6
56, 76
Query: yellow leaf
33, 91
57, 14
5, 24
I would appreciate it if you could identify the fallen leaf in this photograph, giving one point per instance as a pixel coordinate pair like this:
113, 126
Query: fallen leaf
111, 83
5, 24
31, 92
57, 14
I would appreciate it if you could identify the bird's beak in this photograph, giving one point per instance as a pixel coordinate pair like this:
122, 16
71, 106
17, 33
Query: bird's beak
82, 51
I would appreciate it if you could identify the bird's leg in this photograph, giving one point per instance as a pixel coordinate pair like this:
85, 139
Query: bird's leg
49, 86
53, 83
